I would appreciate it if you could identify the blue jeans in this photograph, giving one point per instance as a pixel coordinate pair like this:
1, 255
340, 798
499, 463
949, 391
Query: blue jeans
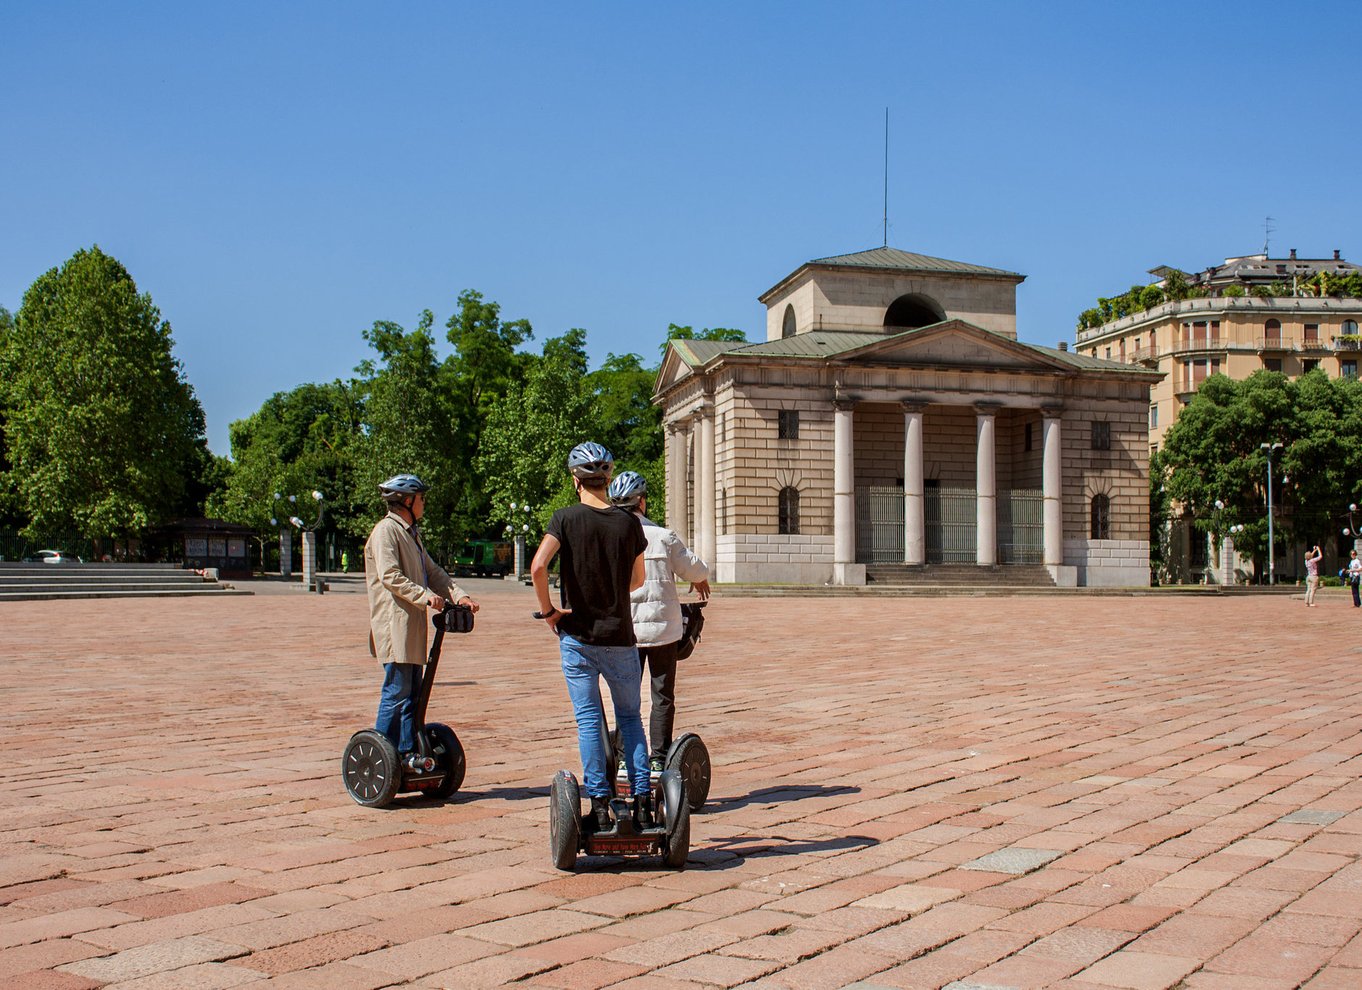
583, 665
396, 707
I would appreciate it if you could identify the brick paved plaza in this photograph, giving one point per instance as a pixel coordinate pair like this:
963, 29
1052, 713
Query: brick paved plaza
1148, 792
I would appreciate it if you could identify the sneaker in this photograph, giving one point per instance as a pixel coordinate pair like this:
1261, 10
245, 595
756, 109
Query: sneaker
600, 813
655, 765
643, 811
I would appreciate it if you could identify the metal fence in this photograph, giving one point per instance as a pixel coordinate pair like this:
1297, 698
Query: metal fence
1021, 527
951, 526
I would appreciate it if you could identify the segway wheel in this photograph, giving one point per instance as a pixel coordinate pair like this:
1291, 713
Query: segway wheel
565, 820
671, 790
370, 770
690, 758
449, 752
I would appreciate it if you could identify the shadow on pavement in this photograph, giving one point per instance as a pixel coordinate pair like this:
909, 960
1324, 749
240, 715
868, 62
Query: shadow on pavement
776, 795
722, 854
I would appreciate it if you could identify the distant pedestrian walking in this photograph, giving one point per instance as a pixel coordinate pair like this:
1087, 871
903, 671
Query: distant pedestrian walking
1312, 557
1355, 578
345, 561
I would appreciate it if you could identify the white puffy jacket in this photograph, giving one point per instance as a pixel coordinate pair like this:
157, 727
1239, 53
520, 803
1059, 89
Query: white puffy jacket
656, 606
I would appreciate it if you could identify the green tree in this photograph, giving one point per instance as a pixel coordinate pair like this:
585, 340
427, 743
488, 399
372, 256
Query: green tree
105, 435
1213, 452
483, 366
10, 515
531, 428
307, 439
675, 332
409, 422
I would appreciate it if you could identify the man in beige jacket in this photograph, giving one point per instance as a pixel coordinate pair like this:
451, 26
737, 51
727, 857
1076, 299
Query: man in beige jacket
402, 580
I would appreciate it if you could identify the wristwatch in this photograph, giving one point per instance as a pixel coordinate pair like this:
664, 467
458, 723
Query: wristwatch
545, 615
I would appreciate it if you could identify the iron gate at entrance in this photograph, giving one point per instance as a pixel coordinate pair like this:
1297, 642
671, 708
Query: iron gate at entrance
950, 526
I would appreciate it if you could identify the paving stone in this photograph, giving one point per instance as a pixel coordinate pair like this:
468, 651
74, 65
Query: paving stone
1308, 816
870, 819
1014, 861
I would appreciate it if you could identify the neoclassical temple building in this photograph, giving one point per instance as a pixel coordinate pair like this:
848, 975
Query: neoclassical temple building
891, 417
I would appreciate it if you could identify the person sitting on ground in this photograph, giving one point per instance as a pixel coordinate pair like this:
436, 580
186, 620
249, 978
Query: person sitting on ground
600, 559
402, 580
657, 608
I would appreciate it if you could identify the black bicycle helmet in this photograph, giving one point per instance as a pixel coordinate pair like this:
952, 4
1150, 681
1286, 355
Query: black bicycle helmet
401, 486
627, 489
590, 462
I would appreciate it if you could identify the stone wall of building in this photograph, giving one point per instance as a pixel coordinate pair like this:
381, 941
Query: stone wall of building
841, 299
755, 464
772, 558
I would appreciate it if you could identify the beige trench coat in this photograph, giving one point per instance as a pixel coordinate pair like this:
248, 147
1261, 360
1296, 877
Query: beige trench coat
400, 577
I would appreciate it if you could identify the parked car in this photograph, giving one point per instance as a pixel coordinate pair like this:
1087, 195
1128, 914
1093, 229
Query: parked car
53, 557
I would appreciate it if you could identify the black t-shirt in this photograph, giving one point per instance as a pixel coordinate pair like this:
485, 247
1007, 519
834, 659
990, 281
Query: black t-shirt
597, 550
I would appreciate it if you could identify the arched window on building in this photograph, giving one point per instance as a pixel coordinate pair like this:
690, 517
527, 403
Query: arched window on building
1350, 327
787, 326
789, 511
1272, 332
1101, 517
912, 311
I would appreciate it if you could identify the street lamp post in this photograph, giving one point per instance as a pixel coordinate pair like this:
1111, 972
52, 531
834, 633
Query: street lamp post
309, 534
519, 536
1271, 543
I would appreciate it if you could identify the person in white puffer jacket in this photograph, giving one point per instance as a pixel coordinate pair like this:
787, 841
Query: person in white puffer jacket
657, 608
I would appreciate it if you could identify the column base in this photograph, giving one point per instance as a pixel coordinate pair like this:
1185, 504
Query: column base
848, 574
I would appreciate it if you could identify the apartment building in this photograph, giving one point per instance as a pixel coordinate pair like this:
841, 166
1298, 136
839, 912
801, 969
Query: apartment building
1250, 313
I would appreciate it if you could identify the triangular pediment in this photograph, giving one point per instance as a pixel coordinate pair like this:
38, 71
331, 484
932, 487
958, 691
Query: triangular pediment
953, 344
673, 369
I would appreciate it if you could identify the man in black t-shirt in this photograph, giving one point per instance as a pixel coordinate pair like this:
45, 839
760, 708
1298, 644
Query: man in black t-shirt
600, 561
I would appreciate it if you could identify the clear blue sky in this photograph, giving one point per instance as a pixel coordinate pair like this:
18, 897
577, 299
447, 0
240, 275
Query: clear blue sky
279, 176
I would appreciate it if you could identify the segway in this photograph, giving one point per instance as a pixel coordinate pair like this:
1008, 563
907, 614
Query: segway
687, 755
370, 767
570, 832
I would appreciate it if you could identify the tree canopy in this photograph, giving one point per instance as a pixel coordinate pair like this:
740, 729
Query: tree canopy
1214, 453
103, 432
101, 435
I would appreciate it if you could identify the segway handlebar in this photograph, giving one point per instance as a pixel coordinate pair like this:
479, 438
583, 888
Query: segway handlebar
453, 618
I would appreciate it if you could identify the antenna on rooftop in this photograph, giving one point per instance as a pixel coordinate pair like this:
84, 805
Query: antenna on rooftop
1267, 234
886, 176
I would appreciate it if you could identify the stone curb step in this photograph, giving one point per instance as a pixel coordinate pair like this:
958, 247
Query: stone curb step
998, 591
33, 595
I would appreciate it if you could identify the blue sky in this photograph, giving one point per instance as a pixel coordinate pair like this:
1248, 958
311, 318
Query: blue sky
279, 176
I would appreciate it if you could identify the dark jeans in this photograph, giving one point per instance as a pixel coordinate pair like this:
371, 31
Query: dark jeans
660, 662
396, 704
1357, 599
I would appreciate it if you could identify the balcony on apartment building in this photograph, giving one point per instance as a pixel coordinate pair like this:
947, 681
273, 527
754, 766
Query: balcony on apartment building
1290, 308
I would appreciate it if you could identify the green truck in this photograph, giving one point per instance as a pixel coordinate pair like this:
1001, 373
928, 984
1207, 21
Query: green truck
484, 558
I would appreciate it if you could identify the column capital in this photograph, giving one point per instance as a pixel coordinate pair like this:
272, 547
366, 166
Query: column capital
987, 408
913, 405
1052, 410
845, 403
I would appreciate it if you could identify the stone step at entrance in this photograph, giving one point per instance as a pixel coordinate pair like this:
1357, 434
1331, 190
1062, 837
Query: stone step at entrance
959, 575
30, 582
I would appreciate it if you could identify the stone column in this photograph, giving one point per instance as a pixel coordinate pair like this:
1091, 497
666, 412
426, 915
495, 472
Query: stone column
985, 487
704, 485
844, 567
285, 552
1052, 489
683, 522
914, 499
674, 481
